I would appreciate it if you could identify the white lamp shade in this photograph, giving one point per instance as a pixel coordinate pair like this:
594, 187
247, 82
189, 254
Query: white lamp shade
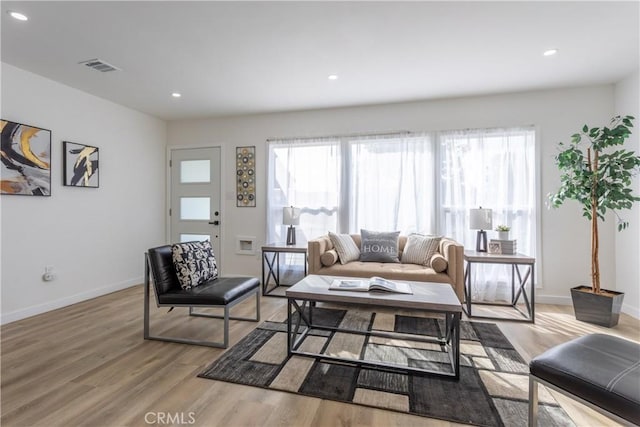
480, 219
291, 216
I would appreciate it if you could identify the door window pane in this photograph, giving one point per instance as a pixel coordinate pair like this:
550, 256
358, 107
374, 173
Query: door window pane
195, 208
194, 237
195, 171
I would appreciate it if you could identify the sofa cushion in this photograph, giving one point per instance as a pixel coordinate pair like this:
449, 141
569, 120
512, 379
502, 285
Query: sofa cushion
438, 262
329, 258
345, 247
420, 248
388, 270
379, 246
194, 262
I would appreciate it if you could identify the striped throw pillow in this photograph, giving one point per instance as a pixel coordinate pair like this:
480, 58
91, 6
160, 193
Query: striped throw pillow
345, 247
419, 249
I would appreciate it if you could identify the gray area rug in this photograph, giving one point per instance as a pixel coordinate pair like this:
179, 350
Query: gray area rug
492, 390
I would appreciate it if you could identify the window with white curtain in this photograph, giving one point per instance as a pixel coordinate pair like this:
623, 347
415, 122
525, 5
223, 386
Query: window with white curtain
391, 184
423, 183
495, 169
305, 174
346, 184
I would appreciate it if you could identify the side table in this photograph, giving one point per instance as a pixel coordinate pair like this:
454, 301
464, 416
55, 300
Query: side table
518, 288
271, 260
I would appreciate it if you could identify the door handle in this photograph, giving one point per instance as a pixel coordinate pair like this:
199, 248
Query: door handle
216, 222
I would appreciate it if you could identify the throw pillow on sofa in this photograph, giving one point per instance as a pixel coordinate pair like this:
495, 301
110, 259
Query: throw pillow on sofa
195, 263
379, 246
438, 263
345, 247
419, 249
329, 258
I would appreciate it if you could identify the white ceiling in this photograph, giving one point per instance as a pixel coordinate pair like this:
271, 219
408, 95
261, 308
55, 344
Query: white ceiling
229, 58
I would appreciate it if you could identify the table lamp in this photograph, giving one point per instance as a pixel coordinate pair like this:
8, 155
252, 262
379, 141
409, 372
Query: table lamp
481, 220
291, 217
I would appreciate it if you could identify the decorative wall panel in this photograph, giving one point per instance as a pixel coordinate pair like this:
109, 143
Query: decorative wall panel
246, 176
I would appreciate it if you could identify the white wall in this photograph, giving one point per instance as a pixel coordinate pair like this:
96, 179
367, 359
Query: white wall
627, 102
95, 238
565, 254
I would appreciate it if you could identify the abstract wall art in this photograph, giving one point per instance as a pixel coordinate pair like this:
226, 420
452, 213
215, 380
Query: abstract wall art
246, 177
25, 153
80, 165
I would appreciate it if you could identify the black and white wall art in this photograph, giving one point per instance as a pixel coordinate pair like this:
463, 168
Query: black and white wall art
25, 155
80, 165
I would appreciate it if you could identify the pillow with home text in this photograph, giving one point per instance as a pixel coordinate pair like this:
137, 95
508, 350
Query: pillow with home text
377, 246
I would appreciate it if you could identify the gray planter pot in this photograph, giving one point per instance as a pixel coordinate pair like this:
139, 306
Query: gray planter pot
603, 310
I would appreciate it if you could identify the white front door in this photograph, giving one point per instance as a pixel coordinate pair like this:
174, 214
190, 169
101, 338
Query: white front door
195, 195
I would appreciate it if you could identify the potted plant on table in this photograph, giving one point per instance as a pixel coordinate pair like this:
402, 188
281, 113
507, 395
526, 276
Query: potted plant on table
503, 232
598, 176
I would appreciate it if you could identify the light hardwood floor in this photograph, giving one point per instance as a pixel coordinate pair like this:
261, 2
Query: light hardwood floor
87, 365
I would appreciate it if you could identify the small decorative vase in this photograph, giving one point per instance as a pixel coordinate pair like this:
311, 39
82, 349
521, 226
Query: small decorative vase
503, 235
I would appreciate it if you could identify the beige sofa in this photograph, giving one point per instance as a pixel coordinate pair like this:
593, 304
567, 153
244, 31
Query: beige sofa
452, 251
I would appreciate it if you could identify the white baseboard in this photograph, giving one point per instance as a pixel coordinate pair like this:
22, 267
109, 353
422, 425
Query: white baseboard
63, 302
631, 311
553, 299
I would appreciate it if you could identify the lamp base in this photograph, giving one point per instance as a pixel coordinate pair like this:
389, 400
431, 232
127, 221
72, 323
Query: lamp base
291, 236
481, 241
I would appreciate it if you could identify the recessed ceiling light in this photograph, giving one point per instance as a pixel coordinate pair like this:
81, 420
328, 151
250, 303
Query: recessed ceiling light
550, 52
176, 95
333, 77
17, 15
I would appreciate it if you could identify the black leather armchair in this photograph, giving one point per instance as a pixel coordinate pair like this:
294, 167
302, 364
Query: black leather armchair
222, 292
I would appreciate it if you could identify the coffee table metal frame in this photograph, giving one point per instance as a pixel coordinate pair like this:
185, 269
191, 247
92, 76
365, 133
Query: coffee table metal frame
450, 342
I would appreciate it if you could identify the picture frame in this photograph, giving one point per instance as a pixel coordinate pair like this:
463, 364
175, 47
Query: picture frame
25, 167
495, 248
80, 165
246, 177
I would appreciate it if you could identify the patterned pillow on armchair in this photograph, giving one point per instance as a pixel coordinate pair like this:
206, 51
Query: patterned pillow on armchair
195, 263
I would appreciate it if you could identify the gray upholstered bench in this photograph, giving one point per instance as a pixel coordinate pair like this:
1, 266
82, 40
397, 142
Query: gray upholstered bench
600, 371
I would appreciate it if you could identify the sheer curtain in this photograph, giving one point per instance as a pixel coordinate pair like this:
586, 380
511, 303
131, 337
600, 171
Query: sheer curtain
304, 173
495, 169
391, 184
411, 183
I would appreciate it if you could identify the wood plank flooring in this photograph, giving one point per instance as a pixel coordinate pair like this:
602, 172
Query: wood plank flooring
87, 365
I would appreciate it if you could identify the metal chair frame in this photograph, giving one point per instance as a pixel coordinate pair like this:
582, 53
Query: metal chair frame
226, 316
533, 402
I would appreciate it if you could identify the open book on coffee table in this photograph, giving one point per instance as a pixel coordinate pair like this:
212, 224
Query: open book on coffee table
375, 284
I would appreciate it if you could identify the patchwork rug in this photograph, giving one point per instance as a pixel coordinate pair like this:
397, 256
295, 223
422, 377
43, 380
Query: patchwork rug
492, 390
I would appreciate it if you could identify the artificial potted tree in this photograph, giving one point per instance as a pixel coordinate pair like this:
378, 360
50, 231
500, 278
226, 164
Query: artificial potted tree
598, 176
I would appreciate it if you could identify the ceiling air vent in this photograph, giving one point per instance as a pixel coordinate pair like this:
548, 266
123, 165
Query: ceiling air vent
100, 65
